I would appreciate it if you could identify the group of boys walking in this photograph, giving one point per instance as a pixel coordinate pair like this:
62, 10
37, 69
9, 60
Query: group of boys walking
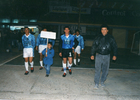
69, 44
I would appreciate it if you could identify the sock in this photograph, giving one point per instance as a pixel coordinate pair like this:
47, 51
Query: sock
75, 61
26, 66
78, 59
64, 67
31, 63
41, 63
70, 66
67, 63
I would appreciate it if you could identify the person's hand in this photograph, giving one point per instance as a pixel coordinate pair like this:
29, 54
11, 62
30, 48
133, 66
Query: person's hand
114, 58
82, 49
92, 57
72, 51
60, 54
73, 48
46, 52
36, 47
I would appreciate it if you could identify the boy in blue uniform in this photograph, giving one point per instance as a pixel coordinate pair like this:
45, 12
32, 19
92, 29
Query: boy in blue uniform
79, 47
65, 48
48, 57
41, 44
28, 41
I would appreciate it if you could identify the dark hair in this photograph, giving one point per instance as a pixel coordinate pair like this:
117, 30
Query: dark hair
44, 28
66, 27
26, 27
77, 31
50, 43
104, 26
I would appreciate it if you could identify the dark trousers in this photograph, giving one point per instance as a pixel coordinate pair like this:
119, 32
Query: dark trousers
102, 63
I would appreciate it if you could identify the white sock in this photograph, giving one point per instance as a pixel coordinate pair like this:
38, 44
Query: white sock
64, 67
41, 63
75, 61
78, 59
70, 66
32, 63
67, 63
26, 66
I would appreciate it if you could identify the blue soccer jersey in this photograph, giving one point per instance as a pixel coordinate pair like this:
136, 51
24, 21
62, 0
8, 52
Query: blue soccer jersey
43, 41
80, 40
67, 42
28, 41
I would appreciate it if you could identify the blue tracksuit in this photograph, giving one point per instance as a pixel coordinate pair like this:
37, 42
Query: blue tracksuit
67, 43
80, 40
43, 41
48, 61
28, 42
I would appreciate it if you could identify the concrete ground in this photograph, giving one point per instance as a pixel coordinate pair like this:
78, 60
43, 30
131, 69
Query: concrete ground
123, 82
14, 85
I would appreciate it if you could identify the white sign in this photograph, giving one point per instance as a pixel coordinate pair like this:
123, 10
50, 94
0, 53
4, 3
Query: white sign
50, 35
61, 9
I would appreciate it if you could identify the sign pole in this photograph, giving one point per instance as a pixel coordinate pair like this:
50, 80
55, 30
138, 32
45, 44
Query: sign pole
48, 35
47, 44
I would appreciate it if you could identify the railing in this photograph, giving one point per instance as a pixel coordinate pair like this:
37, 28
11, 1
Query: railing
133, 44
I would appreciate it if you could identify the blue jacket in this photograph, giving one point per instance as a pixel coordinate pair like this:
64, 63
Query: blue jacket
43, 41
49, 59
28, 42
80, 40
67, 43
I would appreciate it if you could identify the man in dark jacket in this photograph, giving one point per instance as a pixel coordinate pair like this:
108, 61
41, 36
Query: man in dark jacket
102, 47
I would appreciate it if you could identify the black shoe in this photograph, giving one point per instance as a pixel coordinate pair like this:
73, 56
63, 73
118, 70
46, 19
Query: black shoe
64, 75
67, 68
78, 63
32, 70
70, 72
73, 65
47, 75
26, 73
41, 68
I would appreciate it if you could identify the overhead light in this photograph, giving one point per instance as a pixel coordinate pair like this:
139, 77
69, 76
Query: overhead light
32, 26
33, 20
5, 20
15, 21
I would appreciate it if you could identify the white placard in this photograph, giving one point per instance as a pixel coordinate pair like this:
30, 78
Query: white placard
46, 34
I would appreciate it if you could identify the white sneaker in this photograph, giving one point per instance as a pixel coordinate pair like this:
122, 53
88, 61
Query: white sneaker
96, 86
102, 84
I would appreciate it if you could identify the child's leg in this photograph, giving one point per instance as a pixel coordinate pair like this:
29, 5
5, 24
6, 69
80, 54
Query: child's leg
64, 64
48, 70
45, 68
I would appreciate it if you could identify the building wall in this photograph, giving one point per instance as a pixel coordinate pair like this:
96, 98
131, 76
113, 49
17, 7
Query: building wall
120, 37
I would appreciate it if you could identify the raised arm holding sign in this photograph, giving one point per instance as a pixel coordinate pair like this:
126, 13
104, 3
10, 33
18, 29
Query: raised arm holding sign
48, 35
